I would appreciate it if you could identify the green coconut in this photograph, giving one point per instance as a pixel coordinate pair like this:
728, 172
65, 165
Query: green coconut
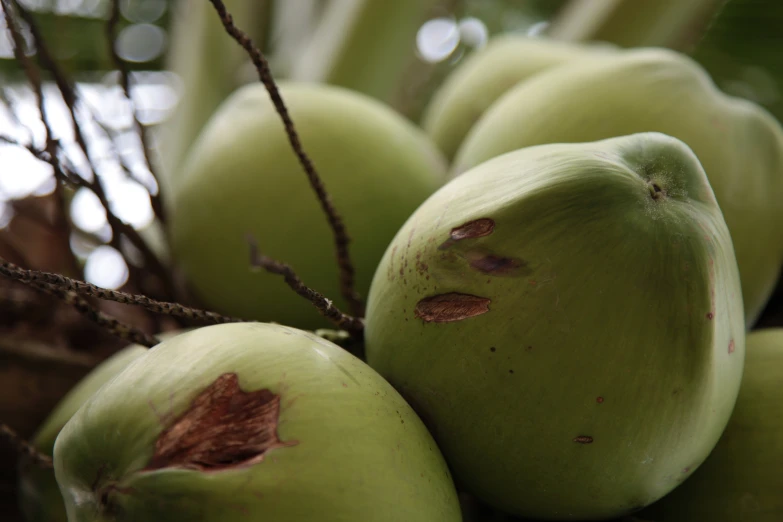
242, 177
475, 511
742, 479
251, 421
487, 74
39, 495
567, 320
739, 144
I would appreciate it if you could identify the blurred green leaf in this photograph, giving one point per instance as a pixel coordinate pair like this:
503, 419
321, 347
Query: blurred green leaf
676, 24
742, 51
78, 43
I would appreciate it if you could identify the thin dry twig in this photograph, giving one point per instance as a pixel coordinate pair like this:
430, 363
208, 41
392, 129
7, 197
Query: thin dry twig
65, 174
11, 141
111, 137
346, 322
24, 447
335, 221
45, 156
66, 284
34, 78
72, 298
119, 63
118, 328
10, 108
64, 85
29, 68
119, 228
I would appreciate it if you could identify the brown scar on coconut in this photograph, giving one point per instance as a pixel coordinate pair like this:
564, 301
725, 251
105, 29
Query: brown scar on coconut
224, 428
451, 307
472, 229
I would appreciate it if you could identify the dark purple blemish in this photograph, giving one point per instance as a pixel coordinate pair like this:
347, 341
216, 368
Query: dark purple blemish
497, 265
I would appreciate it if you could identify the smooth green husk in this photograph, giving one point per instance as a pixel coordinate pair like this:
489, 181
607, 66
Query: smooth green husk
353, 449
742, 479
607, 360
243, 177
739, 144
488, 73
39, 496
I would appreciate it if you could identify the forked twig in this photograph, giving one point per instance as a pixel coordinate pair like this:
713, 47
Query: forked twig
24, 447
70, 295
335, 221
82, 288
346, 322
34, 77
118, 328
119, 228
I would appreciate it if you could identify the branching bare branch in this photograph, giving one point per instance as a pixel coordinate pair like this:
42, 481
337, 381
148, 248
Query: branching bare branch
24, 447
111, 137
119, 63
10, 141
34, 77
29, 68
82, 288
119, 228
346, 322
118, 328
67, 175
10, 108
72, 298
335, 221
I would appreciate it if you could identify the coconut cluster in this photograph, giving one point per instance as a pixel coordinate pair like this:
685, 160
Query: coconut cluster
563, 264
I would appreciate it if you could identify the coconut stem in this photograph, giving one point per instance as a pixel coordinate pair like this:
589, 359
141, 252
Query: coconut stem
24, 447
341, 237
69, 295
655, 190
346, 322
59, 282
